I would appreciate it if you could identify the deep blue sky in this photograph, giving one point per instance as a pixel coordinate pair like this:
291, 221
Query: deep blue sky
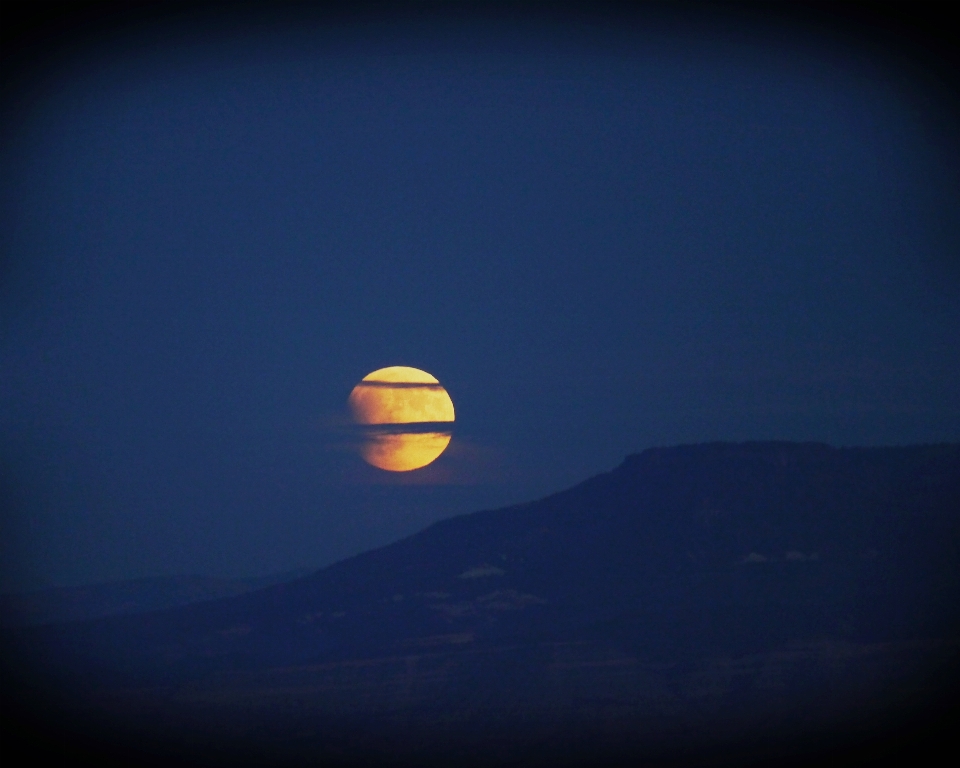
599, 238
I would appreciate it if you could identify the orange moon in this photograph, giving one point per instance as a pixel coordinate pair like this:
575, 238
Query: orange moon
395, 396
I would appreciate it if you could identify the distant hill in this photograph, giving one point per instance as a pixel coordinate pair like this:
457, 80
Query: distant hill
693, 597
118, 598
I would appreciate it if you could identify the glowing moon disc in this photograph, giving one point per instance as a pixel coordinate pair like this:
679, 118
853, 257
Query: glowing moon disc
398, 395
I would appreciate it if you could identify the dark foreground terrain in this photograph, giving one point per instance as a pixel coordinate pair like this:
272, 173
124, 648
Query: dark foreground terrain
711, 604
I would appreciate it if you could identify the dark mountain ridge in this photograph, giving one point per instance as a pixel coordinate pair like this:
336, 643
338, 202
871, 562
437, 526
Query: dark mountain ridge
679, 557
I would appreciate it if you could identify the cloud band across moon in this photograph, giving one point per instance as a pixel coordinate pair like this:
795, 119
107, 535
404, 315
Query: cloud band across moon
399, 385
409, 428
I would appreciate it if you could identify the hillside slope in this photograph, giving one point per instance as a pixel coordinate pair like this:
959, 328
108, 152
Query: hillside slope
692, 583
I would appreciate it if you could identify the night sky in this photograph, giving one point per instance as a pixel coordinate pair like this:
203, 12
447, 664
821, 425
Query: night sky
599, 235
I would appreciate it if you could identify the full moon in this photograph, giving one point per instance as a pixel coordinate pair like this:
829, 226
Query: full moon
405, 408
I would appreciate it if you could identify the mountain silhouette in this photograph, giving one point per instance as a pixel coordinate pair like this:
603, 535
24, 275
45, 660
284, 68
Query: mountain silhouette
694, 598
